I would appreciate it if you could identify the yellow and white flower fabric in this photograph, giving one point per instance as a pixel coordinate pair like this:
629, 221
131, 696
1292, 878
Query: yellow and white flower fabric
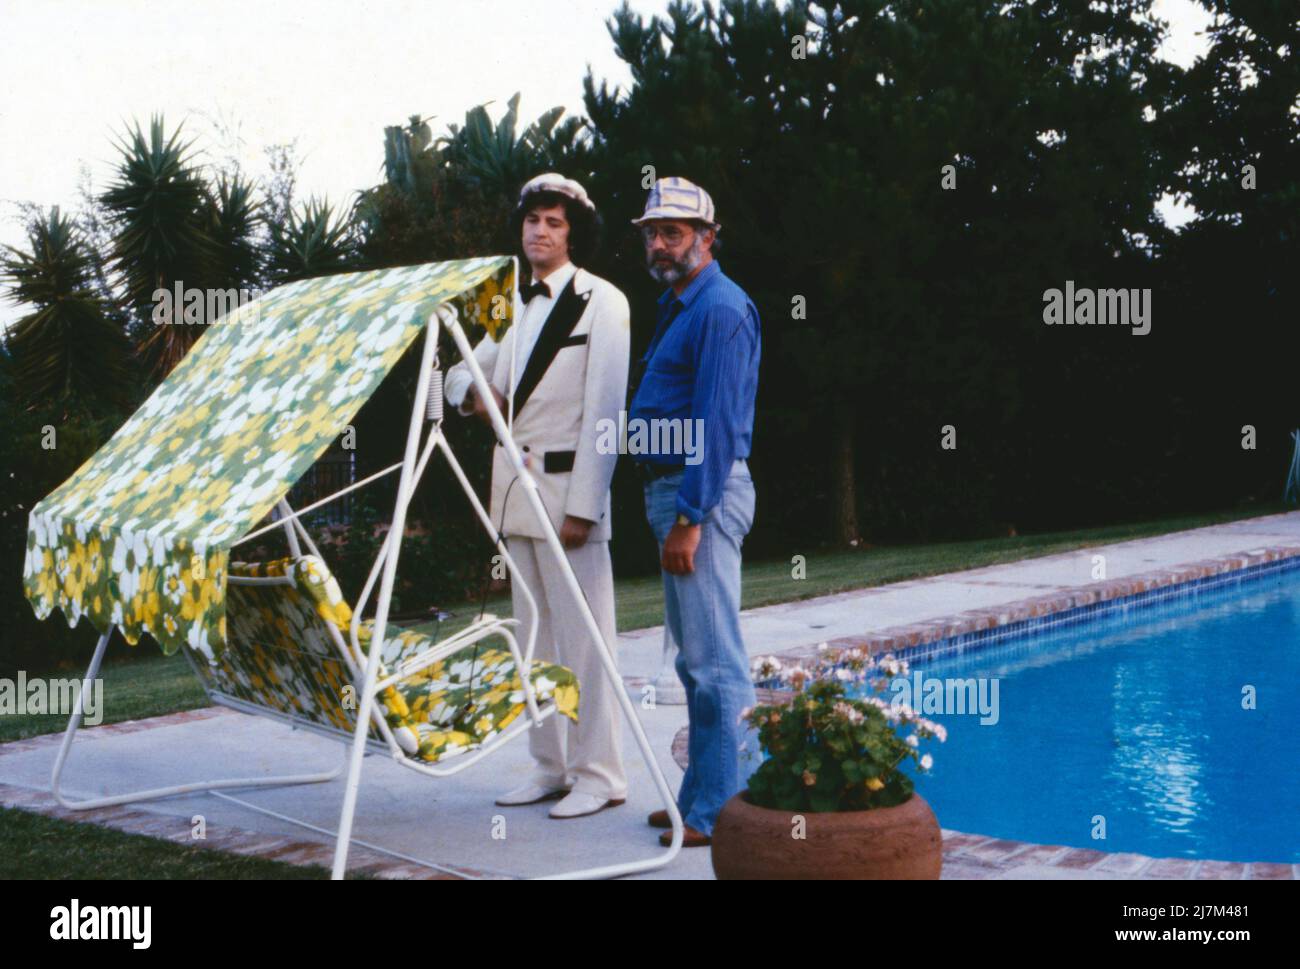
139, 536
282, 656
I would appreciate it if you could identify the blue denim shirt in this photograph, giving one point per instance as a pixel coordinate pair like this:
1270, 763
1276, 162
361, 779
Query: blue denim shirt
702, 364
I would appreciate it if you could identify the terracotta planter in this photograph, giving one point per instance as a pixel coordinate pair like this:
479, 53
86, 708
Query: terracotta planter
901, 842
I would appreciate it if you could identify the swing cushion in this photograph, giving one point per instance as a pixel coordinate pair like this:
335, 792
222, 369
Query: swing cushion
281, 655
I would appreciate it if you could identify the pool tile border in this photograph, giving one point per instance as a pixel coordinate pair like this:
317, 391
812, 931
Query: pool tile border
975, 628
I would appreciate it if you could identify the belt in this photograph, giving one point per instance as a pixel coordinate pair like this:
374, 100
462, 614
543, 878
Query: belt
653, 472
553, 462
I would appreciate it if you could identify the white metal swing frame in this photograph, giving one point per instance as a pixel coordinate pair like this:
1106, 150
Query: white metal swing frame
427, 407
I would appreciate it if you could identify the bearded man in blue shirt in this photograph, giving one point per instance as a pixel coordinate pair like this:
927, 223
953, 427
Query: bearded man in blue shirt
699, 380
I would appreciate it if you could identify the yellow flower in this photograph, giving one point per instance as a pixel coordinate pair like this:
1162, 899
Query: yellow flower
395, 702
510, 717
874, 783
566, 701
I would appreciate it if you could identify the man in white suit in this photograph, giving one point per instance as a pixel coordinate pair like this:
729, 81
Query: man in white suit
569, 375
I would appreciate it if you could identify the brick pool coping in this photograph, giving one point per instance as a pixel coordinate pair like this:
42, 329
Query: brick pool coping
1038, 612
979, 856
965, 856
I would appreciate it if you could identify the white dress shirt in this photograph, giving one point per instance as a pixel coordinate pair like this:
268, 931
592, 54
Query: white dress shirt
526, 332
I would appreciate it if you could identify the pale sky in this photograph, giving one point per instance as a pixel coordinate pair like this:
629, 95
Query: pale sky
328, 73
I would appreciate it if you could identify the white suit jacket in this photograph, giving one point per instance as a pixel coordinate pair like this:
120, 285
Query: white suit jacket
571, 390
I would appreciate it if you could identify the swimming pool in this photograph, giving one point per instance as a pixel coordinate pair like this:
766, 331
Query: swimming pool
1137, 721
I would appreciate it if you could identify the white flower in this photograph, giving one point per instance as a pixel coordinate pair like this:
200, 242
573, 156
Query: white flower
129, 583
159, 550
850, 713
186, 516
926, 762
140, 548
379, 335
544, 684
198, 640
41, 529
913, 741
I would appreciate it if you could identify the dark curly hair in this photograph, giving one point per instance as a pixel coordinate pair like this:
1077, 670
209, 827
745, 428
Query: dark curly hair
584, 223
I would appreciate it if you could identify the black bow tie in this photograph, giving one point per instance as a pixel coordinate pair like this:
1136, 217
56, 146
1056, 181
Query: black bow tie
538, 288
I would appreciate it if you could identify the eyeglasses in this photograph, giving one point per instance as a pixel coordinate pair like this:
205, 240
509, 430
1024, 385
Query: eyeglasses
671, 234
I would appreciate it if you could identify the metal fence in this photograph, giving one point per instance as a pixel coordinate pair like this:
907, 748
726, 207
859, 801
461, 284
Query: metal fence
335, 470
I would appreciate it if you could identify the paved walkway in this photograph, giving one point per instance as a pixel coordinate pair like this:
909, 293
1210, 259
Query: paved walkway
453, 822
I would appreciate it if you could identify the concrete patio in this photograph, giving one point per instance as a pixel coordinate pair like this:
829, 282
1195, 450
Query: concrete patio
453, 822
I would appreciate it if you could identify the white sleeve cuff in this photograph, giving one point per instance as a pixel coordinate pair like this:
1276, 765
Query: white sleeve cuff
456, 388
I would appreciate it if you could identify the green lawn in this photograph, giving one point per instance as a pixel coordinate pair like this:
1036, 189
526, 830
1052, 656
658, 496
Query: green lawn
33, 846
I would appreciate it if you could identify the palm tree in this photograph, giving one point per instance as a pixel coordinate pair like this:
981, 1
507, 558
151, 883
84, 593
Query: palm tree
171, 226
498, 158
231, 218
409, 153
312, 243
68, 348
161, 212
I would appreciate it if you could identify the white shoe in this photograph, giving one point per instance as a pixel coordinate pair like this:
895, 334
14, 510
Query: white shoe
578, 805
531, 793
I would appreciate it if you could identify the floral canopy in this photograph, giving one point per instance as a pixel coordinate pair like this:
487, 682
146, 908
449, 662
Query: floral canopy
139, 536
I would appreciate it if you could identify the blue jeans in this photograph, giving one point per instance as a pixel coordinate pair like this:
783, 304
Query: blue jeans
702, 611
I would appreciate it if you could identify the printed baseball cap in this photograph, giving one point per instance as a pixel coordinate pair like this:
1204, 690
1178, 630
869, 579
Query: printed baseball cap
676, 198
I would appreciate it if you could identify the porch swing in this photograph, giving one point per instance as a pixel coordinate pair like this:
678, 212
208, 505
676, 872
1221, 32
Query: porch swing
140, 539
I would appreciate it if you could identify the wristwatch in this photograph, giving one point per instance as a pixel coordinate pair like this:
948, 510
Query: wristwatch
683, 520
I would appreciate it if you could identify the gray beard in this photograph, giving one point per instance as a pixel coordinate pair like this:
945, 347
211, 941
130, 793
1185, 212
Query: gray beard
676, 270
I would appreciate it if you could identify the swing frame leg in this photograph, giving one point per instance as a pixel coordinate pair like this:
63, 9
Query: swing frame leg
152, 794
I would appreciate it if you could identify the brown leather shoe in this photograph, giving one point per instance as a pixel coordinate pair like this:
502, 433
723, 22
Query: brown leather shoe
690, 838
659, 819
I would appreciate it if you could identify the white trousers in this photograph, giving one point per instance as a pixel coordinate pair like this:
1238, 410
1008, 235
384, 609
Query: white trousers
583, 756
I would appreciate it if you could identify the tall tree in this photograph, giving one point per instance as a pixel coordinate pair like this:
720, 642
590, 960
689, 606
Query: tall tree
68, 350
822, 130
313, 242
499, 157
1234, 134
159, 207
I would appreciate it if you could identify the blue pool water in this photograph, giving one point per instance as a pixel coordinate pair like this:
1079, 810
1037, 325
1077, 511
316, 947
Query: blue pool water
1137, 718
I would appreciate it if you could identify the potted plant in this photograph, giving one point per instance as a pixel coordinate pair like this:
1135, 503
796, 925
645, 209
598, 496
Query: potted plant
831, 799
